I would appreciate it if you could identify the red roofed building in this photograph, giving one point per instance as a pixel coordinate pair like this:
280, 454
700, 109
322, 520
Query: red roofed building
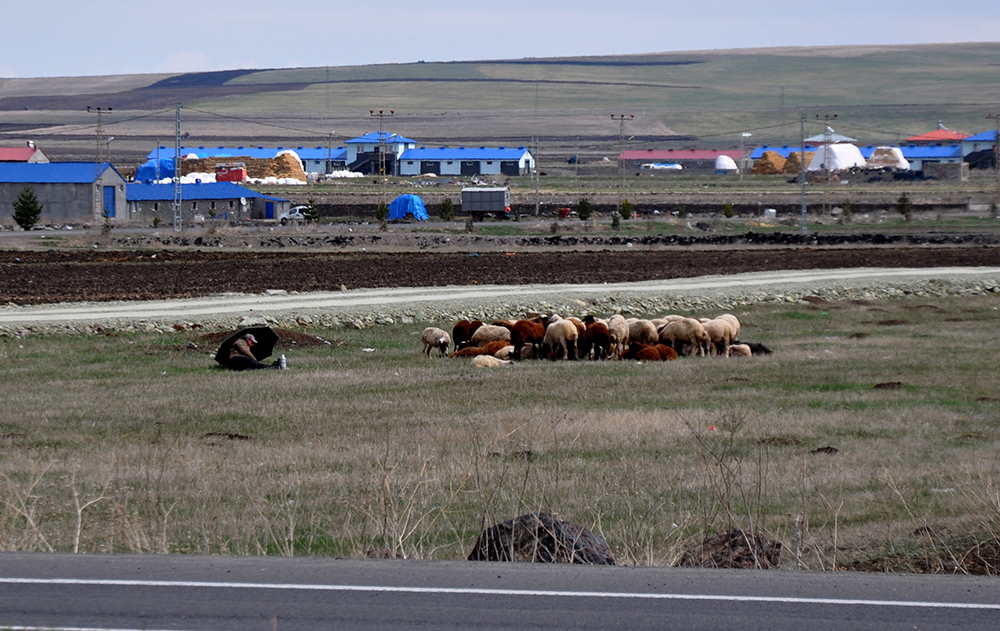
28, 153
938, 137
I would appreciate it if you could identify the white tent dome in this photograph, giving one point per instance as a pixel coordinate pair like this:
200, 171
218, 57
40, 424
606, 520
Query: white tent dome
836, 158
725, 163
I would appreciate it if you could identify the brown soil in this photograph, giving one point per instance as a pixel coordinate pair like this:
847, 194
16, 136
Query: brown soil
37, 277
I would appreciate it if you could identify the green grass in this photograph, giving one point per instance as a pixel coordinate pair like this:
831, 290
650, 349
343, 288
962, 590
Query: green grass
351, 450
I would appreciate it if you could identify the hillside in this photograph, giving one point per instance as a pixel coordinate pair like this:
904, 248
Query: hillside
879, 93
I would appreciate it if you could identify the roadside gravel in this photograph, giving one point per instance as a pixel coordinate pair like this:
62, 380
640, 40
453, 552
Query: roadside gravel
360, 309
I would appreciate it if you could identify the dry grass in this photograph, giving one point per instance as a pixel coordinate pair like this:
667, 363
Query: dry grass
130, 444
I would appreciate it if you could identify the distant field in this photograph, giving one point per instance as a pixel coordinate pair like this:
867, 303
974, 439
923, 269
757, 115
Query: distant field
880, 94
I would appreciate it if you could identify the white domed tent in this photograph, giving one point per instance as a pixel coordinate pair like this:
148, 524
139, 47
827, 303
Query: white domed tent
836, 157
888, 158
725, 163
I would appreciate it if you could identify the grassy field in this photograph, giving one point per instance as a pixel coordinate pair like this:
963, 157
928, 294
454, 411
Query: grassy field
134, 443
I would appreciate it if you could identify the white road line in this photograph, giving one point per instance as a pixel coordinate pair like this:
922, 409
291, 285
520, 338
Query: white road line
498, 592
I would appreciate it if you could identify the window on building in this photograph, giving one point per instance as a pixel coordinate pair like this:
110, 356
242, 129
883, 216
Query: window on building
194, 205
489, 162
231, 203
211, 205
156, 205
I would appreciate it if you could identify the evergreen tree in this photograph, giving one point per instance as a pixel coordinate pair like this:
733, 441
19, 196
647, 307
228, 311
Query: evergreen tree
584, 209
447, 212
27, 210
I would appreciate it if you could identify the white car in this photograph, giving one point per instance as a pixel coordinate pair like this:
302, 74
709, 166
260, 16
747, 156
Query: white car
294, 215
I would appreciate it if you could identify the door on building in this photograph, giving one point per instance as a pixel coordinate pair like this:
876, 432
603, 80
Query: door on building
108, 206
269, 210
430, 166
510, 167
470, 167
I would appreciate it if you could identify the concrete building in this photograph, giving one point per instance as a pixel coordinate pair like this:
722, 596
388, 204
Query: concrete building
466, 161
70, 192
978, 150
363, 152
220, 200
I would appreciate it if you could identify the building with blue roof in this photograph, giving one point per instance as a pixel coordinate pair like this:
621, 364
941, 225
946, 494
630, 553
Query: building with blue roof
226, 200
466, 161
979, 150
70, 192
363, 152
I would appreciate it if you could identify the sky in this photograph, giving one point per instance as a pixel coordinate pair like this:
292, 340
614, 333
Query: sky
49, 38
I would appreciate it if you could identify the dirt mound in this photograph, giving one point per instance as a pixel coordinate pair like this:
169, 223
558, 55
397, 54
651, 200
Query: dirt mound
770, 163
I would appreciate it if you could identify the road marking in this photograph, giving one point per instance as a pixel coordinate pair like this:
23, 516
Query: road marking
497, 592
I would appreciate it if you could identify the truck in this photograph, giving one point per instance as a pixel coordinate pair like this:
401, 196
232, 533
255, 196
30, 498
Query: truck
481, 201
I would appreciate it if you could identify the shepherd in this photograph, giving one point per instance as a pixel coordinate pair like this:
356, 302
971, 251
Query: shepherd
242, 351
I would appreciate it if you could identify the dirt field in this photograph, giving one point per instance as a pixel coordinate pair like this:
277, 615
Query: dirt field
38, 277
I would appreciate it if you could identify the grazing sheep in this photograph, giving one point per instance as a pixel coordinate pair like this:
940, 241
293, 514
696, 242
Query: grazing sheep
434, 337
734, 322
667, 353
490, 333
720, 336
685, 336
488, 361
642, 331
618, 331
740, 350
489, 348
560, 338
531, 331
462, 332
596, 339
507, 324
755, 347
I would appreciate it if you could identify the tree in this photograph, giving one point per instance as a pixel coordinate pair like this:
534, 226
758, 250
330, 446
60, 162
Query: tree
905, 206
382, 214
447, 212
310, 213
682, 211
625, 209
27, 210
727, 211
584, 209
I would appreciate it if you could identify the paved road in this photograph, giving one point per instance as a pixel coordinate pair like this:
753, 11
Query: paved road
338, 302
46, 591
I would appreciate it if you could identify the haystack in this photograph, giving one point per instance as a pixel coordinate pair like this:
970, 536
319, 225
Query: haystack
770, 163
793, 164
287, 165
888, 158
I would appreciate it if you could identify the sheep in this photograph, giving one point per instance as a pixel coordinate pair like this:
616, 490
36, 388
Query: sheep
595, 338
489, 348
720, 336
686, 336
740, 350
642, 331
504, 353
650, 352
560, 338
755, 347
488, 361
526, 332
618, 331
462, 332
734, 322
490, 333
527, 351
434, 337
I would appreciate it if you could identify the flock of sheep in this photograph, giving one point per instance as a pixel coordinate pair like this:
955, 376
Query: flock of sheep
553, 337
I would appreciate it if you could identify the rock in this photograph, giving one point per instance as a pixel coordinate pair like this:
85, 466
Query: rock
541, 538
734, 548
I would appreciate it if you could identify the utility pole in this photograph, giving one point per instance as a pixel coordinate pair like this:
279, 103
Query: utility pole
827, 141
382, 145
996, 163
621, 118
743, 160
177, 171
99, 162
535, 176
329, 155
802, 171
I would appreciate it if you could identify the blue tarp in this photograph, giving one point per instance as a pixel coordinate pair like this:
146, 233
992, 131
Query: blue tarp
408, 204
147, 170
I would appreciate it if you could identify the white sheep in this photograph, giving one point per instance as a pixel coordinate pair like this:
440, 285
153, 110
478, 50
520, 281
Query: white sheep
740, 350
618, 331
720, 335
505, 352
489, 361
434, 337
643, 332
734, 322
490, 333
560, 338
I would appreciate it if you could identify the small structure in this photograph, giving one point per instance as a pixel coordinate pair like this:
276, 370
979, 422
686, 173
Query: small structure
466, 161
978, 150
224, 200
407, 205
724, 165
70, 192
235, 172
29, 154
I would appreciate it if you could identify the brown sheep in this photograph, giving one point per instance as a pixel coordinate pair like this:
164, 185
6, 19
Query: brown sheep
462, 332
490, 348
526, 332
595, 338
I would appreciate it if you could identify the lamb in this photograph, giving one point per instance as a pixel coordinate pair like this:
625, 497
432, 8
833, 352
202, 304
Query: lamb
490, 333
504, 353
462, 332
618, 331
560, 338
488, 361
434, 337
740, 350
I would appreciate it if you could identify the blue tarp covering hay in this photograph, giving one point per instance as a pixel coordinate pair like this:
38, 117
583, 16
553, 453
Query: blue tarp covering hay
407, 204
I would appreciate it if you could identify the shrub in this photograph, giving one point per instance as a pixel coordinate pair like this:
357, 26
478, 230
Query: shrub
310, 213
905, 206
682, 212
447, 211
584, 209
156, 222
616, 221
727, 211
845, 212
625, 209
382, 212
27, 210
